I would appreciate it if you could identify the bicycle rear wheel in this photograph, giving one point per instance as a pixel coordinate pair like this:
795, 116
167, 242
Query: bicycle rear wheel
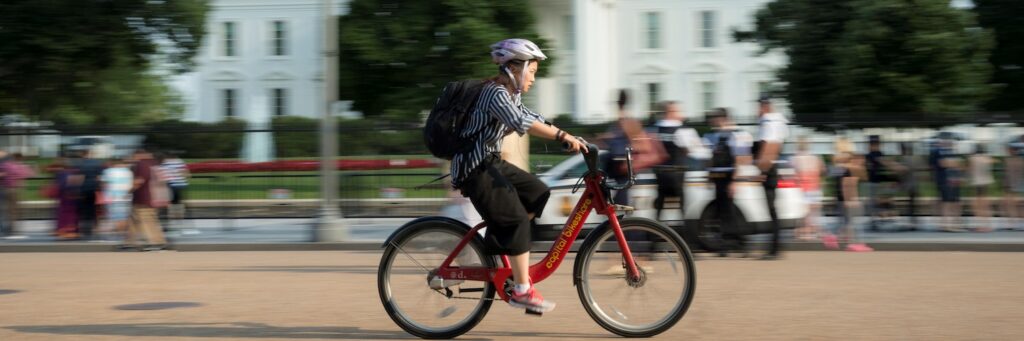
641, 307
406, 268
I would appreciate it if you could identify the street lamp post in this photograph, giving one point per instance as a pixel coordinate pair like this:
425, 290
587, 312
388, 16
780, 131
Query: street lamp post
329, 227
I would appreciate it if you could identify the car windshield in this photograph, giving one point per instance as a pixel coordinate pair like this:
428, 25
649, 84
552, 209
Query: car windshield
576, 171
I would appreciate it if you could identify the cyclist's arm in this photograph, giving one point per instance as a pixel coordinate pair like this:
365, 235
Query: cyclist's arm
500, 106
543, 130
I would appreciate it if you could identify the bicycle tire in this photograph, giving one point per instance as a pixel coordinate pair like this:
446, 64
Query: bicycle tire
394, 249
600, 242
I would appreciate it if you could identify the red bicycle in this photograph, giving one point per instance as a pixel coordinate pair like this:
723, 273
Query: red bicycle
635, 276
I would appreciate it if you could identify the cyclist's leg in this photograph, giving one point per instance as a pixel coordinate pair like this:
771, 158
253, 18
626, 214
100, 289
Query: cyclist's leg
532, 195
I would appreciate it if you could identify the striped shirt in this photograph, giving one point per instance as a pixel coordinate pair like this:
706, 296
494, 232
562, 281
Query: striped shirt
174, 172
497, 114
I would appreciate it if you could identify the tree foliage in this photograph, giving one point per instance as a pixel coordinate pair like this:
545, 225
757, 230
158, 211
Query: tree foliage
397, 55
865, 60
1003, 17
72, 61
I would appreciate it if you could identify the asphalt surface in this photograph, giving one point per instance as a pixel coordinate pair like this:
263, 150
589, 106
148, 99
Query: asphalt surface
332, 295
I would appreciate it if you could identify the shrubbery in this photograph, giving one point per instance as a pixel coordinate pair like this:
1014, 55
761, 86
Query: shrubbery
197, 140
299, 137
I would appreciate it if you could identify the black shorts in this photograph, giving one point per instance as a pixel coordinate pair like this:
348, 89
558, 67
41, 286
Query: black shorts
949, 192
670, 183
177, 195
505, 195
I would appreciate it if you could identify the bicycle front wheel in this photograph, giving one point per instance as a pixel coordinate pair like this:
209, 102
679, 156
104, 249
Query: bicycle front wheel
635, 307
410, 260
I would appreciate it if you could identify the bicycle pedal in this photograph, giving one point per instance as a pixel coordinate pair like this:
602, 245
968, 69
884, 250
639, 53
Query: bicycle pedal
531, 312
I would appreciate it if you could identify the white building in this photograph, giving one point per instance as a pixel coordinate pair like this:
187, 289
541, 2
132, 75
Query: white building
269, 51
266, 51
678, 50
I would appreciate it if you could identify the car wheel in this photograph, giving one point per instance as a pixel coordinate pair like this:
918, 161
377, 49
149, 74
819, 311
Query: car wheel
709, 228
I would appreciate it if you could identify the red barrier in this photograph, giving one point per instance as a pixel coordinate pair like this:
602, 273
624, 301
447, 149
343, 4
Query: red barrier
228, 166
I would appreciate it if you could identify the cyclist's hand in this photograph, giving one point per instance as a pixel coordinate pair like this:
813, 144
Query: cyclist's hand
573, 144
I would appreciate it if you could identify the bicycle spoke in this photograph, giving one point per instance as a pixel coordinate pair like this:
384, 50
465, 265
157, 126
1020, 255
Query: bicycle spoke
405, 289
402, 250
643, 306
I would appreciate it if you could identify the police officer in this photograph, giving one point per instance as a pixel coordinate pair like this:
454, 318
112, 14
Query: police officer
729, 149
772, 132
681, 143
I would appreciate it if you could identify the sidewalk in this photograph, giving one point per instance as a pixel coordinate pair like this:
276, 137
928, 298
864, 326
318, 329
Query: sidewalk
368, 234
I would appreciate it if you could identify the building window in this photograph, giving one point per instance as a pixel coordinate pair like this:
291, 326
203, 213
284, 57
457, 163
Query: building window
230, 39
707, 29
763, 88
570, 32
653, 96
707, 95
230, 102
278, 38
653, 30
279, 101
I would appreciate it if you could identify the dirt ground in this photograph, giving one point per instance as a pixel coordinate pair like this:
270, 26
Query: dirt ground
332, 295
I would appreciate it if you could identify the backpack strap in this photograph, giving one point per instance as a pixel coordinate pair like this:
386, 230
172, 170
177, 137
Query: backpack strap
432, 181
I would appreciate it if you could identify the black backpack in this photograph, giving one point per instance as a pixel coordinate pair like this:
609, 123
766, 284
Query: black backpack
721, 155
449, 116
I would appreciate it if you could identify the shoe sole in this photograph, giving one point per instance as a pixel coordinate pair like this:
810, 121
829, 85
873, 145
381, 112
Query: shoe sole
532, 308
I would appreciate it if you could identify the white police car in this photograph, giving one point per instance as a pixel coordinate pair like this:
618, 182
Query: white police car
700, 226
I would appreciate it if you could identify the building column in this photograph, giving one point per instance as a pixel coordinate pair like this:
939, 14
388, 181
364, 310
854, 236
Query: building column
596, 59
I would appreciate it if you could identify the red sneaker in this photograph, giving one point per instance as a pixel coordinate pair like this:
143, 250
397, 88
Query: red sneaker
830, 241
859, 248
531, 300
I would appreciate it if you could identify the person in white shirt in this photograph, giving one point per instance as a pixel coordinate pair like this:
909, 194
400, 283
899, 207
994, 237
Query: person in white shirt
772, 132
681, 144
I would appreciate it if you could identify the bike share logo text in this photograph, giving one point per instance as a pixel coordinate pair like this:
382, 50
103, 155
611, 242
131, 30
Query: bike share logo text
569, 232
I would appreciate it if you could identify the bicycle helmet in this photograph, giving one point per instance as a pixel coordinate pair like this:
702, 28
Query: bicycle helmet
509, 50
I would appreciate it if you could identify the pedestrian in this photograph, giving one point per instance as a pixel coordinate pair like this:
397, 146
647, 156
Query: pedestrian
880, 170
809, 170
847, 171
628, 133
908, 184
6, 229
65, 189
507, 197
681, 143
730, 150
980, 176
947, 168
14, 172
175, 171
772, 133
117, 181
90, 169
149, 193
1013, 184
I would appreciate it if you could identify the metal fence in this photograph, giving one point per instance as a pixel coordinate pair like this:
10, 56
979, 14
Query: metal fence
369, 193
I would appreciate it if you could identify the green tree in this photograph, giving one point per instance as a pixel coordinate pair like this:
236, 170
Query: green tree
863, 60
92, 61
397, 55
1003, 17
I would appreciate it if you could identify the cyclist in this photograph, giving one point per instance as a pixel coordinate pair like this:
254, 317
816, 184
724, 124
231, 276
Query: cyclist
507, 198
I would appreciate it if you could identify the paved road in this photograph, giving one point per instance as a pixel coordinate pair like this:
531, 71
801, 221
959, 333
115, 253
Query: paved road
332, 295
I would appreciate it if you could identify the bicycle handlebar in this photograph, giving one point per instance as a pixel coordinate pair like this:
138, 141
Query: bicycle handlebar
591, 157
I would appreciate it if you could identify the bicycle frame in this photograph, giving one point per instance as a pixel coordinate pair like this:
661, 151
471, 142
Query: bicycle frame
593, 199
